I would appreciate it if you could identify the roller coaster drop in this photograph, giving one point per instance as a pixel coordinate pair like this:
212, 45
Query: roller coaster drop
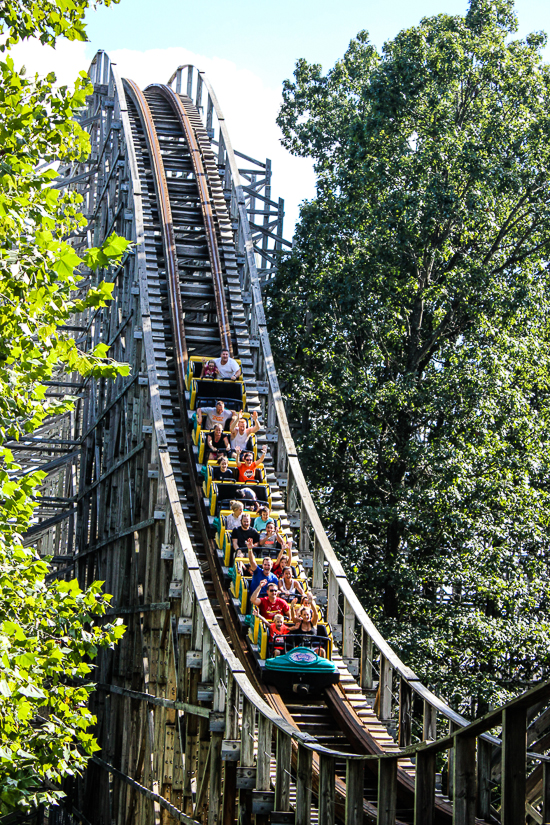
189, 730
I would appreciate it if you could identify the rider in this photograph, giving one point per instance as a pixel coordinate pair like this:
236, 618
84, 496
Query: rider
240, 433
214, 415
247, 468
227, 367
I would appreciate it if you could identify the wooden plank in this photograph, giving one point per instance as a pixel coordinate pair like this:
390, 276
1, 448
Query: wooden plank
282, 775
514, 738
429, 722
304, 779
355, 780
327, 790
387, 791
424, 789
366, 660
386, 678
263, 757
464, 808
405, 713
484, 750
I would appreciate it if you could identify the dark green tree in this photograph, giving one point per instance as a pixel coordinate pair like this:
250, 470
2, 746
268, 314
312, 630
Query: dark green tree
412, 324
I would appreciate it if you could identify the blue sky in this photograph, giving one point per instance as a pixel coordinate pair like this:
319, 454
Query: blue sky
267, 37
247, 48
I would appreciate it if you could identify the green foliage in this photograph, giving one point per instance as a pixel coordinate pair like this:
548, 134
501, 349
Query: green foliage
48, 635
412, 322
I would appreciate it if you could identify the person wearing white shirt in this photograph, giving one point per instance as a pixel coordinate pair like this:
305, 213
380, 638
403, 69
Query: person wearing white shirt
227, 367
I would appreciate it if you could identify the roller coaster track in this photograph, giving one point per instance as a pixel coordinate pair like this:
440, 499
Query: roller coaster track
188, 730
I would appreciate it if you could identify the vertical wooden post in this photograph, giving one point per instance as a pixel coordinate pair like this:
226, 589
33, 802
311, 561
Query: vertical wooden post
387, 791
429, 722
304, 776
451, 764
386, 673
464, 808
263, 757
218, 704
514, 743
318, 563
424, 789
332, 598
483, 779
355, 780
327, 789
545, 793
247, 759
405, 713
282, 777
348, 646
366, 660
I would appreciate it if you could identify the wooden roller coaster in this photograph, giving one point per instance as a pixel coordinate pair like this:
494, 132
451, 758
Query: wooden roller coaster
189, 731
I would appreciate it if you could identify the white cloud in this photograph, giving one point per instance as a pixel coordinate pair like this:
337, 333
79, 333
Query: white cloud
249, 106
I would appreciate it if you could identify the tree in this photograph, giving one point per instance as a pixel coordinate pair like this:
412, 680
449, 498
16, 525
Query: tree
48, 635
411, 322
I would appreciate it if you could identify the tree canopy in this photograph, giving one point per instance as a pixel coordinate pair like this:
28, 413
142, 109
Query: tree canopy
48, 635
411, 322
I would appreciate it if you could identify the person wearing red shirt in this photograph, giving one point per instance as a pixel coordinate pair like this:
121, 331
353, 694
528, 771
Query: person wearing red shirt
247, 467
269, 605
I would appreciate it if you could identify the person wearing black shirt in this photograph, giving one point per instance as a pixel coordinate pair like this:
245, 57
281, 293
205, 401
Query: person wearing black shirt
218, 442
223, 472
240, 534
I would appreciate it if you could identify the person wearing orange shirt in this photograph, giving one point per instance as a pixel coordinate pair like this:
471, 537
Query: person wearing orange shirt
247, 467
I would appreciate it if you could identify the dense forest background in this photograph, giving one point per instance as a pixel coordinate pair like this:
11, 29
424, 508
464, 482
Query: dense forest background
411, 326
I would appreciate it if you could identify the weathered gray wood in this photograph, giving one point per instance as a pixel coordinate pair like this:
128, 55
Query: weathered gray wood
484, 779
429, 722
366, 660
387, 791
355, 779
348, 645
263, 757
282, 776
304, 778
464, 808
514, 740
424, 789
215, 787
386, 679
405, 713
327, 790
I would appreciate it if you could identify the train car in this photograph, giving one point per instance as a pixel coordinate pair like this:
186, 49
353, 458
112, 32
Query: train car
300, 671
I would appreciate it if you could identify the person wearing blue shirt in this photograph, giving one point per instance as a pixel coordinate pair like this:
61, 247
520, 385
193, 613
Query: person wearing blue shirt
260, 573
261, 520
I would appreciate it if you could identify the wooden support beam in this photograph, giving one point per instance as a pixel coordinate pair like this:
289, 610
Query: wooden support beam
386, 678
429, 722
348, 645
545, 793
387, 791
366, 660
327, 790
464, 808
304, 778
514, 740
484, 751
405, 713
355, 781
282, 776
263, 757
424, 789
